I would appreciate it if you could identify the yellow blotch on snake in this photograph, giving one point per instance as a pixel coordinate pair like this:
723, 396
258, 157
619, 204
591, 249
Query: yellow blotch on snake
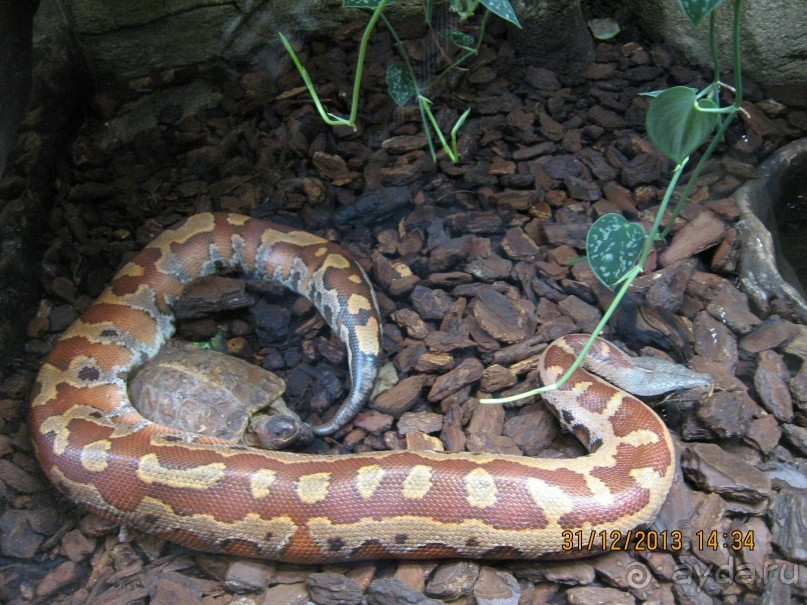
198, 477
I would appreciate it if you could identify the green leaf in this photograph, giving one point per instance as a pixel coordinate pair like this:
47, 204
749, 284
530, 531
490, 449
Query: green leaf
503, 9
603, 29
461, 39
696, 10
676, 126
400, 84
613, 245
360, 3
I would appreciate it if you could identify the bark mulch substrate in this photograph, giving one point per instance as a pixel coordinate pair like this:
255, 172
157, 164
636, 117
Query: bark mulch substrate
468, 264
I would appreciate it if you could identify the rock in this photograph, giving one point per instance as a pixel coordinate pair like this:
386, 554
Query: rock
550, 128
443, 342
431, 304
787, 514
517, 199
390, 591
572, 573
411, 322
703, 232
249, 576
764, 277
467, 371
594, 595
423, 422
495, 378
173, 587
759, 557
333, 168
18, 479
767, 47
272, 322
770, 334
452, 580
490, 269
76, 546
711, 516
715, 342
330, 588
61, 317
727, 413
494, 587
607, 119
519, 246
620, 570
583, 314
644, 169
289, 594
487, 419
541, 78
763, 433
502, 318
372, 421
414, 573
486, 443
561, 166
770, 381
446, 255
533, 429
59, 577
434, 362
17, 539
404, 144
484, 221
730, 306
581, 189
715, 470
796, 436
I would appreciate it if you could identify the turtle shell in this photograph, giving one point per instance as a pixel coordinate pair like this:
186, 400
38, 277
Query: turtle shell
204, 392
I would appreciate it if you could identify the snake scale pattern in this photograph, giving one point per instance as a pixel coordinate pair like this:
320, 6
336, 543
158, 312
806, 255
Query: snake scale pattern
214, 496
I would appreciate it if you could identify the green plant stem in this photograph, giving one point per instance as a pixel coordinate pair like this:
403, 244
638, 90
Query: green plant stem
586, 348
452, 153
653, 235
628, 279
405, 56
735, 38
718, 137
329, 118
465, 57
719, 110
714, 50
365, 39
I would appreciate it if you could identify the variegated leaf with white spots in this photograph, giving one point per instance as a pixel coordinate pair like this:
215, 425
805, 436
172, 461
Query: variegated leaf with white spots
613, 245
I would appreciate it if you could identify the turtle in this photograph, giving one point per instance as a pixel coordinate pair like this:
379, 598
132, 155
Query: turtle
213, 394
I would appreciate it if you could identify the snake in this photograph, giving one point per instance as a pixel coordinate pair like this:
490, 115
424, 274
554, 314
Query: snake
216, 496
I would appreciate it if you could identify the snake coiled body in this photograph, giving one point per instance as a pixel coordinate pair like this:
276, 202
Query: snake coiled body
214, 496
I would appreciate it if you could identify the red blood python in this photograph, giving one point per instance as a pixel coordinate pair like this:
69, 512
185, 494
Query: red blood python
214, 496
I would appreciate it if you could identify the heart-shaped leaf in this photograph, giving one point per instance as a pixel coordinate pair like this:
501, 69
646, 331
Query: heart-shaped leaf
612, 246
696, 10
461, 39
675, 125
400, 84
503, 9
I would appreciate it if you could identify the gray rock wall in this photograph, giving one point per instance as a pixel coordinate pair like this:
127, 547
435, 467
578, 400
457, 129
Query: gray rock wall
128, 38
774, 37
